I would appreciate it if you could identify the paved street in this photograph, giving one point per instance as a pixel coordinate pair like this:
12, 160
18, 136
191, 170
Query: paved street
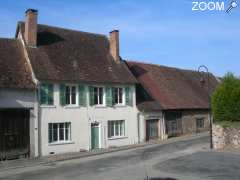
182, 160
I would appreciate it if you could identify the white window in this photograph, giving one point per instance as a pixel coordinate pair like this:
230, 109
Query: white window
116, 128
98, 95
71, 95
118, 95
59, 132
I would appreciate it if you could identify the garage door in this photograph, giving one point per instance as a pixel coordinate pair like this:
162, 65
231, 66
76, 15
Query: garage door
14, 134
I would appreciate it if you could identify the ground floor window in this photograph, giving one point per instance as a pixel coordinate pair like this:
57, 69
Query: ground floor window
200, 122
116, 128
59, 132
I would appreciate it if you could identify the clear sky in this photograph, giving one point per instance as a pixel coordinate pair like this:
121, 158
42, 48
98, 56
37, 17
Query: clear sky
165, 32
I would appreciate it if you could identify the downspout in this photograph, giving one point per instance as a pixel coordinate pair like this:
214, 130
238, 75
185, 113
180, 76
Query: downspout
138, 126
39, 122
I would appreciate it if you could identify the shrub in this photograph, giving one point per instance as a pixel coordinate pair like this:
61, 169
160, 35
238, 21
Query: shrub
226, 99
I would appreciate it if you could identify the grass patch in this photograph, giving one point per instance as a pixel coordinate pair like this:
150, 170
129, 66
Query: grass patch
226, 124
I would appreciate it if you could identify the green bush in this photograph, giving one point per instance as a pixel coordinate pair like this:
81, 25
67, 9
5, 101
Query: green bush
226, 99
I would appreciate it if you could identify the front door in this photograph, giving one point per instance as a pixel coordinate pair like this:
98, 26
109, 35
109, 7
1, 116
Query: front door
152, 129
95, 136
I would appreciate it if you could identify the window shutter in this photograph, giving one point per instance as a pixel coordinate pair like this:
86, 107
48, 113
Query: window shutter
109, 98
43, 94
82, 95
91, 95
129, 96
50, 94
62, 94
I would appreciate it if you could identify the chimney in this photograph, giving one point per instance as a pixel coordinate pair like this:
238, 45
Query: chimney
114, 45
31, 27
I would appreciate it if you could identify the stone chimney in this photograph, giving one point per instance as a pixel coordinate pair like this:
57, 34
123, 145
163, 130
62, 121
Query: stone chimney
31, 28
114, 45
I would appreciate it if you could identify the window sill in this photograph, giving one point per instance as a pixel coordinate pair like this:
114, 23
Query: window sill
99, 106
120, 137
71, 106
61, 143
48, 106
119, 105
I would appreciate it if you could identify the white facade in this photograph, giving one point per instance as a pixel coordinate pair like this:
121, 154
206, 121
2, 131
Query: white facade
23, 99
81, 119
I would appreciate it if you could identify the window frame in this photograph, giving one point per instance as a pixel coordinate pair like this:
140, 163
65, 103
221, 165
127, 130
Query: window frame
202, 120
66, 127
98, 99
70, 95
118, 98
121, 129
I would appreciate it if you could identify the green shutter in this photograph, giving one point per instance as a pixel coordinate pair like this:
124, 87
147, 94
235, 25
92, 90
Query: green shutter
91, 95
43, 94
50, 94
109, 98
82, 96
62, 94
129, 96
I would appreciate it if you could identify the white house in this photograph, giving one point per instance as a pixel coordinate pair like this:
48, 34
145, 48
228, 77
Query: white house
86, 93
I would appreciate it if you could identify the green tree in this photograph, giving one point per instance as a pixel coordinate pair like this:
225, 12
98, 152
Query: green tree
226, 99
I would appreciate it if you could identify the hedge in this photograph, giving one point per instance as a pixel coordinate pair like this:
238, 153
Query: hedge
226, 99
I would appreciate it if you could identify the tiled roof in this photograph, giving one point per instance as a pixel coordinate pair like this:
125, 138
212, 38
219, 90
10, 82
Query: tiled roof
173, 88
68, 55
14, 70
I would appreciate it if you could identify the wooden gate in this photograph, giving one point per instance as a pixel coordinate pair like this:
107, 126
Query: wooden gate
14, 134
173, 122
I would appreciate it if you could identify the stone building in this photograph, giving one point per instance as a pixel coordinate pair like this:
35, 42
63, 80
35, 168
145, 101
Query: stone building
171, 101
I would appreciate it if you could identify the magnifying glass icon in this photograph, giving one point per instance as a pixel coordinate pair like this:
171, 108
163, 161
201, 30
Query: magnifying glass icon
233, 4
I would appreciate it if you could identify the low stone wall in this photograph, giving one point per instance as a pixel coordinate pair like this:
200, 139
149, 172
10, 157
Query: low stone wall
223, 137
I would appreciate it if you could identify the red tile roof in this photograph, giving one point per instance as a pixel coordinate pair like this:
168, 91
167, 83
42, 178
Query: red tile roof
172, 88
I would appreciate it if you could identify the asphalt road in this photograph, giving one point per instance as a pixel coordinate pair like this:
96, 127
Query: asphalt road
182, 160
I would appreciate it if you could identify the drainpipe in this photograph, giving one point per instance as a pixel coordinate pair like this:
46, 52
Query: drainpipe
138, 126
39, 121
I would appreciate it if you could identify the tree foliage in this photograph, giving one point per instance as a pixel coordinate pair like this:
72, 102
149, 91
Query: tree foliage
226, 99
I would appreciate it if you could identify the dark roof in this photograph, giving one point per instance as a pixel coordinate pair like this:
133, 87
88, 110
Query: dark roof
68, 55
172, 88
15, 72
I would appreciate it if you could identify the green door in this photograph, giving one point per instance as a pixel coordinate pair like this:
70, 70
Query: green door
95, 136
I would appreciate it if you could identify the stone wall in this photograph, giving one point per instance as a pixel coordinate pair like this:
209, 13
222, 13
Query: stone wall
223, 137
189, 118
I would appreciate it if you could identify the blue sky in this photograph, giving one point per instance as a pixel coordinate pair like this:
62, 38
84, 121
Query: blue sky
154, 31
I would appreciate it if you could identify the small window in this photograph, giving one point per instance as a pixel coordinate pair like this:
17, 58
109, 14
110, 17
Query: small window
116, 128
118, 95
71, 95
59, 132
200, 122
98, 95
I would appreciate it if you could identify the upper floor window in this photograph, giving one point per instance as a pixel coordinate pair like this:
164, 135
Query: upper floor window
98, 95
71, 95
118, 95
46, 94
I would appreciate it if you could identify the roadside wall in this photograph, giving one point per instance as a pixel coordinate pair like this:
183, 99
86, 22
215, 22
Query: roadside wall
223, 137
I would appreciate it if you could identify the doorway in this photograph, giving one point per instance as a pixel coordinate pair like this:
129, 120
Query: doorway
95, 136
14, 133
152, 129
